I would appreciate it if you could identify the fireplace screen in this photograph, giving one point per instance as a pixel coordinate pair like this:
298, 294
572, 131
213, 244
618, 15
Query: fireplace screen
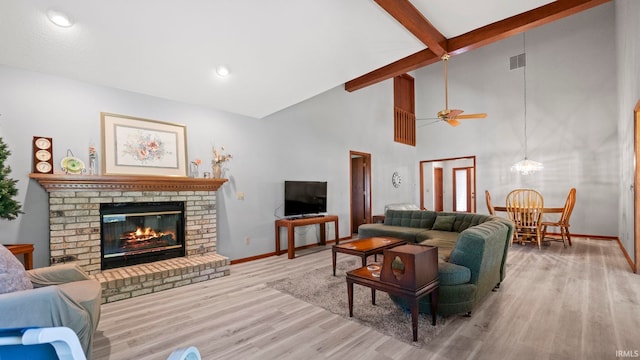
135, 233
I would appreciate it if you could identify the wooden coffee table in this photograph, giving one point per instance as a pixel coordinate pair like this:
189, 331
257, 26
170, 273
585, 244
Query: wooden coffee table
365, 277
364, 248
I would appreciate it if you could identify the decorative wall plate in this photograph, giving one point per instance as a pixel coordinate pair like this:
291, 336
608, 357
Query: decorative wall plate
43, 143
43, 167
72, 165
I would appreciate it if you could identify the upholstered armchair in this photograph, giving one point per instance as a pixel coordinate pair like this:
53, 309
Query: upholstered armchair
61, 295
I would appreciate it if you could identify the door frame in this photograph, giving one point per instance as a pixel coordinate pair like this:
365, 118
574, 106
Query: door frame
636, 192
367, 187
475, 177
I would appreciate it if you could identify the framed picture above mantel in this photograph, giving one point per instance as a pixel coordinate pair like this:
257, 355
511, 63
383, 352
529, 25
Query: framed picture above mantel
136, 146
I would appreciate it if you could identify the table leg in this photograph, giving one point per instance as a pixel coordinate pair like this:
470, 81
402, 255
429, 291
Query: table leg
323, 233
364, 260
291, 251
350, 296
434, 305
414, 318
373, 296
333, 255
28, 261
338, 237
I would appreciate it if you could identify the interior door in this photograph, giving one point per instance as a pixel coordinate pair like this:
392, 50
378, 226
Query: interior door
360, 190
462, 189
438, 189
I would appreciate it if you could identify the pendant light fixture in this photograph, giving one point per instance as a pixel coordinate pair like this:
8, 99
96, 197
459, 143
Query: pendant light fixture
526, 166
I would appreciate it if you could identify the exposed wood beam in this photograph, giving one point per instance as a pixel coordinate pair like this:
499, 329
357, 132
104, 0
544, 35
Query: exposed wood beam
412, 19
518, 24
409, 63
476, 38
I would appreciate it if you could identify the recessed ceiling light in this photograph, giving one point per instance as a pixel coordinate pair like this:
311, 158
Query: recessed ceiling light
222, 71
59, 18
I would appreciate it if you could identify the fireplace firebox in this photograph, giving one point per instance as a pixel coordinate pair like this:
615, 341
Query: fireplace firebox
142, 232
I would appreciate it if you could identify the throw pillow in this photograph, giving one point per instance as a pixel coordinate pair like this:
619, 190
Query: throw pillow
13, 277
444, 222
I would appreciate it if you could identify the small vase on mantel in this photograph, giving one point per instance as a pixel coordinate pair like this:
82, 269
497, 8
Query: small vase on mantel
217, 171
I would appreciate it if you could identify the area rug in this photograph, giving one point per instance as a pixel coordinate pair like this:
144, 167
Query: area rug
319, 287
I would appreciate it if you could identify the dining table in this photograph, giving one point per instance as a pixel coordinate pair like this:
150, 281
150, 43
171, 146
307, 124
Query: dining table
553, 210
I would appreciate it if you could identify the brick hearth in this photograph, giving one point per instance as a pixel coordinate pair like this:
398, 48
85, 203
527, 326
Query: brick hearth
74, 205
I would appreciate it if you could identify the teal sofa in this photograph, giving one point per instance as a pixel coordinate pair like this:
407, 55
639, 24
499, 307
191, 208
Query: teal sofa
472, 252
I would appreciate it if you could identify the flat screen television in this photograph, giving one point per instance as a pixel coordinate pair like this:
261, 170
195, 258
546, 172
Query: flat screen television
305, 197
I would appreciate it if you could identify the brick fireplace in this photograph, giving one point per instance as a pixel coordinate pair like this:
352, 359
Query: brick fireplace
74, 223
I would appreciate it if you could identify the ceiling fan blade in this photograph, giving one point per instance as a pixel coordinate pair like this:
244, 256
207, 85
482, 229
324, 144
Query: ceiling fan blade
433, 121
453, 122
472, 116
453, 114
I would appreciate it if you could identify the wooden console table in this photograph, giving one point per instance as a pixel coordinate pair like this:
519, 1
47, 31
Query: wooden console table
24, 249
291, 224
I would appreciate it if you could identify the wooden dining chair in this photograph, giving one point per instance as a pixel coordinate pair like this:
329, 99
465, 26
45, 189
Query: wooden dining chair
487, 197
524, 208
563, 222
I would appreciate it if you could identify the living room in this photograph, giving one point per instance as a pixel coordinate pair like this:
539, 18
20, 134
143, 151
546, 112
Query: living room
582, 79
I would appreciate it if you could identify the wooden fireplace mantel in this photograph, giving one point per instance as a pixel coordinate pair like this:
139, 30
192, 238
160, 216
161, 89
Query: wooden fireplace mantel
63, 182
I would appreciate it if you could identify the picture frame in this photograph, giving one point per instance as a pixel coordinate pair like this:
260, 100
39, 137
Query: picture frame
136, 146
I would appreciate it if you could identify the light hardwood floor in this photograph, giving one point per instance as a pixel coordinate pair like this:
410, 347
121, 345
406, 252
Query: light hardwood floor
556, 303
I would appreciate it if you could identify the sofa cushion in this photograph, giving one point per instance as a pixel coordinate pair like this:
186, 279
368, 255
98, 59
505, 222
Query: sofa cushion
444, 222
13, 277
445, 245
410, 218
380, 230
452, 274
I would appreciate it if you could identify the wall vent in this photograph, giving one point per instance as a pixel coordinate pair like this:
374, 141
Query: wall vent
517, 61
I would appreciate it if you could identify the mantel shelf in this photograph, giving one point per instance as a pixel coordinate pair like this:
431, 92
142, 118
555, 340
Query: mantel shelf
63, 182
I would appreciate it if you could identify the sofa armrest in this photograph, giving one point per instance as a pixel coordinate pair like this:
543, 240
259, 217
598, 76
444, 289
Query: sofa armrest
56, 275
452, 274
46, 307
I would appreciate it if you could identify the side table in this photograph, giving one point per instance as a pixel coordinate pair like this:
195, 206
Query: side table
364, 277
364, 248
24, 249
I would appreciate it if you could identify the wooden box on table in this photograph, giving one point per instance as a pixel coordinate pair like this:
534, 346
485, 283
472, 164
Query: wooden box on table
419, 266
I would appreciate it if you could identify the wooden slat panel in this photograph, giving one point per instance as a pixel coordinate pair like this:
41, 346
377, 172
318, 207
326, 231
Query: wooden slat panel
404, 127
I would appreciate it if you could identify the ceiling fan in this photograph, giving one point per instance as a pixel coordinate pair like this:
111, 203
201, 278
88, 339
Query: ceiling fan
451, 116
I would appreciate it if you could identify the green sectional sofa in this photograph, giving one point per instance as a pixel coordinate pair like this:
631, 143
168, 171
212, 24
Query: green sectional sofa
472, 251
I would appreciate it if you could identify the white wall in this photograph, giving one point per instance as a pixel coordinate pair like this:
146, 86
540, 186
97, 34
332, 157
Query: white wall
309, 141
571, 106
628, 76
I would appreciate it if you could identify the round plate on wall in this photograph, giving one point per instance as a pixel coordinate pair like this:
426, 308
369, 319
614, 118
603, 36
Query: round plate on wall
396, 179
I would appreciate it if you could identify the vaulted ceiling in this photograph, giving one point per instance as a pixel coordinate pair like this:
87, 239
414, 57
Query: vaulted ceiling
280, 52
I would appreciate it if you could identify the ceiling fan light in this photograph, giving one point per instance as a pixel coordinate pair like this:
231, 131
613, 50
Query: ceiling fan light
526, 166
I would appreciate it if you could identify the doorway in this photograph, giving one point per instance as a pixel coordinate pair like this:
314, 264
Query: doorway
443, 181
360, 178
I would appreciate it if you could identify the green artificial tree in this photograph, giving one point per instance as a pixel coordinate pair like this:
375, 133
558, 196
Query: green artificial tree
9, 208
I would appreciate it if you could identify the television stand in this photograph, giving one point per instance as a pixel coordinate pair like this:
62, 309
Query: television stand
291, 224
